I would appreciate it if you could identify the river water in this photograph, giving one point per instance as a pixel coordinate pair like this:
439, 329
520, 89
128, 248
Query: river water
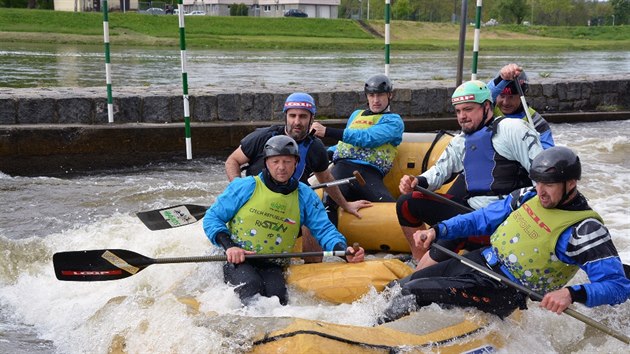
29, 65
40, 216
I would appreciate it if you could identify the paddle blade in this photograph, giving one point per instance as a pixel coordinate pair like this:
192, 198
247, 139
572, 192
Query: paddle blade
171, 217
98, 265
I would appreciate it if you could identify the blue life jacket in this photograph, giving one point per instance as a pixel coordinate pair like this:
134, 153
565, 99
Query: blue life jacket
486, 172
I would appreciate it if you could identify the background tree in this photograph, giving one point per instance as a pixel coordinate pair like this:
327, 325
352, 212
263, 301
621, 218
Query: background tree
401, 10
621, 10
538, 12
512, 11
239, 9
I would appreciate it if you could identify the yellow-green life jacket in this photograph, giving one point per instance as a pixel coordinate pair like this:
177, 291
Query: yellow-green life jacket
381, 156
526, 243
268, 223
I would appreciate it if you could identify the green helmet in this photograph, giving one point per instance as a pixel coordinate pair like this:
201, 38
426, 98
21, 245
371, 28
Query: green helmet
471, 91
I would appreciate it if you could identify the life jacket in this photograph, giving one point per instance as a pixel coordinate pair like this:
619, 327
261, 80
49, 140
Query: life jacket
380, 156
525, 244
269, 222
538, 122
486, 172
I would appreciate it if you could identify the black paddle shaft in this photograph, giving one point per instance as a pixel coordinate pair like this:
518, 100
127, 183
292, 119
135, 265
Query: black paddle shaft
532, 294
460, 207
113, 264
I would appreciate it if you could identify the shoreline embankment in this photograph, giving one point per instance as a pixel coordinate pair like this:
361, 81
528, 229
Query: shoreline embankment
59, 131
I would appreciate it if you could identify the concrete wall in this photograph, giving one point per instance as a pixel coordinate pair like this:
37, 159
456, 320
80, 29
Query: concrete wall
60, 131
164, 105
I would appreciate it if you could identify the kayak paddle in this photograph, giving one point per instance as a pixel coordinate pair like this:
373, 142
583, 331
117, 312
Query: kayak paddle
184, 214
532, 294
113, 264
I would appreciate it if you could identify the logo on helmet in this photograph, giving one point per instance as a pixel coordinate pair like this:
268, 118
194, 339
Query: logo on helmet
507, 91
304, 105
463, 98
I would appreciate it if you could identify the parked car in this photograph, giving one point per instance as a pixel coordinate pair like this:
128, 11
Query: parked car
295, 13
195, 13
153, 11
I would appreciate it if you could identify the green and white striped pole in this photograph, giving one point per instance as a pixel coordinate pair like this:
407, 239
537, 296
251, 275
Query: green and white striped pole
475, 57
387, 14
182, 45
108, 73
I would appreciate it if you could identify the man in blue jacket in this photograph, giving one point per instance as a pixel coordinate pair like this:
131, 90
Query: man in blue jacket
263, 214
540, 238
508, 103
368, 144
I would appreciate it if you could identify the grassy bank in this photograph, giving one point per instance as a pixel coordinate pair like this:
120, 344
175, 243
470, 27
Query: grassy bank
35, 26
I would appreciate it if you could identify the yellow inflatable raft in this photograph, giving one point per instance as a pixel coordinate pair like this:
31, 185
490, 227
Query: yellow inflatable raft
378, 229
343, 282
445, 331
295, 335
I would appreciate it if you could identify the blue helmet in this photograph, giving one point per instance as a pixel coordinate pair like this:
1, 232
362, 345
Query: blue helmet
300, 100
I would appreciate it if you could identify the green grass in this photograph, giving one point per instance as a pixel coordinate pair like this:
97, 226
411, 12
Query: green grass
601, 33
37, 26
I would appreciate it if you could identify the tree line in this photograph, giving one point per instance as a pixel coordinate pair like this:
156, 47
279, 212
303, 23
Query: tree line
538, 12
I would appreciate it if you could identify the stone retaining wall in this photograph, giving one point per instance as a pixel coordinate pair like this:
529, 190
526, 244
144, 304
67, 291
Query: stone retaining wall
164, 104
62, 131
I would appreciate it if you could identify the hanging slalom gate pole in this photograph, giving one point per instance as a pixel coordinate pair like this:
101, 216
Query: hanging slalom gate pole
476, 41
182, 44
387, 14
108, 74
462, 42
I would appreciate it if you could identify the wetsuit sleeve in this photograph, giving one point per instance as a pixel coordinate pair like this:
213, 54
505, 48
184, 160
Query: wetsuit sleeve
226, 206
588, 244
313, 215
449, 163
224, 240
334, 133
253, 143
388, 130
317, 158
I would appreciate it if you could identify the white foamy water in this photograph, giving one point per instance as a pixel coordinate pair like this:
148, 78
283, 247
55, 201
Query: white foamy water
42, 216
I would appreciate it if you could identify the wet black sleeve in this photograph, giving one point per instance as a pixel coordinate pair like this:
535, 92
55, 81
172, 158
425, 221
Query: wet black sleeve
335, 133
497, 80
253, 143
225, 240
422, 182
317, 158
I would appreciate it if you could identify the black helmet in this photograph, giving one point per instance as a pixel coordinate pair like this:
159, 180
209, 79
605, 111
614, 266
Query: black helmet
378, 83
556, 164
281, 145
511, 88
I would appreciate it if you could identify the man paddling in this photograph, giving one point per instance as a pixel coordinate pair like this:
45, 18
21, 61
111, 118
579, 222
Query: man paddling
299, 109
492, 155
263, 214
508, 100
540, 238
